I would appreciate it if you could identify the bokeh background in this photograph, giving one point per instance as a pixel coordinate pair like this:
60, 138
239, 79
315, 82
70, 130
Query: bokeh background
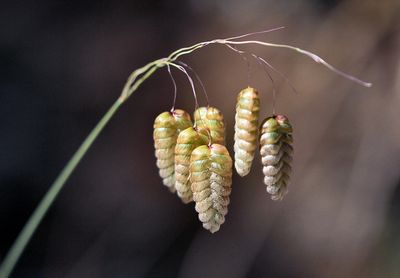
63, 63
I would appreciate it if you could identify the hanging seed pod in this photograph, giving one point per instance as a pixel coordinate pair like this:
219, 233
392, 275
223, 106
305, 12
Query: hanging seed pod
167, 126
211, 118
211, 177
187, 141
276, 154
246, 129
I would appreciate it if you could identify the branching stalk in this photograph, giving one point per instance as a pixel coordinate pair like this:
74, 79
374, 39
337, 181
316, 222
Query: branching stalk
133, 83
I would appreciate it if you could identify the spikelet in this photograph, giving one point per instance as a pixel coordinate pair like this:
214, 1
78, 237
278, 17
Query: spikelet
276, 154
211, 177
167, 126
187, 141
211, 118
246, 129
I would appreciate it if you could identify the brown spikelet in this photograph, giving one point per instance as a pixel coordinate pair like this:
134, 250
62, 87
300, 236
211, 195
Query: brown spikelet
167, 126
211, 118
187, 141
211, 177
276, 154
246, 129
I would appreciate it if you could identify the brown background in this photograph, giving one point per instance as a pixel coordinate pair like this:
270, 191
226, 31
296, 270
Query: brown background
64, 62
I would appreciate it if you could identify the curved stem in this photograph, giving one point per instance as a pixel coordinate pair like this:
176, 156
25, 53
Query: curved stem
30, 227
313, 56
39, 213
130, 87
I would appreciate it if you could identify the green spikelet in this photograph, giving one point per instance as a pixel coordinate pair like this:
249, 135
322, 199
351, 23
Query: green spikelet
187, 141
246, 129
276, 154
212, 119
167, 126
211, 177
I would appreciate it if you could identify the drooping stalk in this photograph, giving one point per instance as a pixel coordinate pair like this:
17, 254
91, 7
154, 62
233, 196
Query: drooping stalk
31, 225
132, 84
38, 214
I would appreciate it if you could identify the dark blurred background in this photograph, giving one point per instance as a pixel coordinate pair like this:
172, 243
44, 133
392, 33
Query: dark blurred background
63, 63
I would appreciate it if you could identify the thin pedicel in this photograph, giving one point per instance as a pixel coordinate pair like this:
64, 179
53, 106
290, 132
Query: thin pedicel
198, 80
175, 88
135, 80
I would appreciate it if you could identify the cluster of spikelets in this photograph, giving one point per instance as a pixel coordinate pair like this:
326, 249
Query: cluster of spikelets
194, 162
275, 143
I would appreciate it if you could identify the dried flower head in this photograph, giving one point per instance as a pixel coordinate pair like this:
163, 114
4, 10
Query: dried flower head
167, 126
212, 119
246, 129
276, 154
187, 141
211, 177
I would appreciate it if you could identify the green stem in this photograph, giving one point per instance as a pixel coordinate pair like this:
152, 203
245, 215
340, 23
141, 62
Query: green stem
130, 87
39, 213
25, 235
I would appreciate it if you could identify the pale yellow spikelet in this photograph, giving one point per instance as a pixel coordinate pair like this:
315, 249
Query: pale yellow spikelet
211, 177
276, 154
246, 129
211, 118
187, 141
167, 126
